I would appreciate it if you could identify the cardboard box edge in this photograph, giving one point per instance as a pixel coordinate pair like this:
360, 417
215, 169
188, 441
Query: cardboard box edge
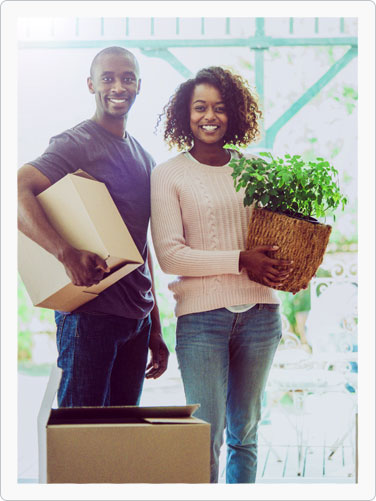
42, 419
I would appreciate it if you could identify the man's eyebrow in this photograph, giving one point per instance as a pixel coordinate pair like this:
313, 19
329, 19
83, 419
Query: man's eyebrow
126, 73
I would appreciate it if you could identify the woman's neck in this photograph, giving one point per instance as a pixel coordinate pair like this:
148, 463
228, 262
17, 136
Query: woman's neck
216, 156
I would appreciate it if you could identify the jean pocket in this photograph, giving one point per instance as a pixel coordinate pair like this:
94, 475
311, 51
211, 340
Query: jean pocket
60, 321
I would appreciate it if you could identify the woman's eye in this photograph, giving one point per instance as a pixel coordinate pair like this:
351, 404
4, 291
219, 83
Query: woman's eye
199, 108
220, 110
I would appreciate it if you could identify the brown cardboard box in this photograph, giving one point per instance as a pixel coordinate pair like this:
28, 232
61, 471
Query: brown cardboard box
122, 444
83, 212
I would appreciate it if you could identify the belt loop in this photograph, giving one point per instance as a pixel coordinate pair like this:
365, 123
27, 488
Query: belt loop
260, 306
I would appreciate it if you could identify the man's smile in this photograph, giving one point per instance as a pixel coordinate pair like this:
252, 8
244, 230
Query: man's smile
117, 100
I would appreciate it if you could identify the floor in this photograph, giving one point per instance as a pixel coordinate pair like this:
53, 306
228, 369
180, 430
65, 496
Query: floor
278, 438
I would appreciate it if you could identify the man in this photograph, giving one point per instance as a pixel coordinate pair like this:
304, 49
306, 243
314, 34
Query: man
103, 344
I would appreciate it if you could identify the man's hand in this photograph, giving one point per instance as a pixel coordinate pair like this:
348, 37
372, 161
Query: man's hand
83, 267
159, 356
269, 271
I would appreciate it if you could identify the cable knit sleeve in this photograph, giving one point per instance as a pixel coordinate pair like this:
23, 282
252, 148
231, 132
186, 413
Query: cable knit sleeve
168, 231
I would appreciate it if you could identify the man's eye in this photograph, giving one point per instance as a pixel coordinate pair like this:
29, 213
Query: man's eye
129, 80
107, 79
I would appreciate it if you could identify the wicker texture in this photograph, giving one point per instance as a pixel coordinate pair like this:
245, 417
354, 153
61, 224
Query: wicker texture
298, 240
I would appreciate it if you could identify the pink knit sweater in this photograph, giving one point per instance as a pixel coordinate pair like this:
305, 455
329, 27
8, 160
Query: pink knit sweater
199, 226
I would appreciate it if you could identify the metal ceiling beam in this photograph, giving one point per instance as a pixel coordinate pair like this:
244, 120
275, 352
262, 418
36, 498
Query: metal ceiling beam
251, 42
272, 131
166, 55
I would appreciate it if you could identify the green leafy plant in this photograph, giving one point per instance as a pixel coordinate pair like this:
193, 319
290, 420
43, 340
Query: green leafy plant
288, 185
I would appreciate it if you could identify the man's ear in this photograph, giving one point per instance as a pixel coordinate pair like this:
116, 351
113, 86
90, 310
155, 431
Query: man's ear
139, 86
90, 85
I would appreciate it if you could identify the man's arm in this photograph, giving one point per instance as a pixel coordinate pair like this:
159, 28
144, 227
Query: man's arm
158, 348
82, 267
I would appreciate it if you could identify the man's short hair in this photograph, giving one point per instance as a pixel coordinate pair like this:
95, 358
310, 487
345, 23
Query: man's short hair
121, 51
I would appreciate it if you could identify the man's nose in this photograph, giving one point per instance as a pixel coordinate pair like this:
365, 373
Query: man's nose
118, 86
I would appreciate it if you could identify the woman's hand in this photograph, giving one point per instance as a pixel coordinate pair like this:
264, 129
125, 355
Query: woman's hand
264, 269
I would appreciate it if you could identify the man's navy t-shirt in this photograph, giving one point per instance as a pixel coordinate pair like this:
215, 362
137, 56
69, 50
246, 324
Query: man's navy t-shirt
125, 168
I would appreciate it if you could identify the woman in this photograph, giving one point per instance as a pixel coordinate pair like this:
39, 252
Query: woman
228, 327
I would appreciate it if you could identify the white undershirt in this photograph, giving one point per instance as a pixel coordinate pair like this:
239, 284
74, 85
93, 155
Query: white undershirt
238, 308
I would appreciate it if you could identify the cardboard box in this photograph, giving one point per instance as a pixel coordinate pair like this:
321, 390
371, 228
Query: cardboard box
121, 444
83, 213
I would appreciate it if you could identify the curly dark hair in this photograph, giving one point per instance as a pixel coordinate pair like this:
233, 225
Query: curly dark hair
241, 108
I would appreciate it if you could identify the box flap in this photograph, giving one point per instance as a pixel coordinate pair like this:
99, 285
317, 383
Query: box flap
66, 415
106, 219
165, 420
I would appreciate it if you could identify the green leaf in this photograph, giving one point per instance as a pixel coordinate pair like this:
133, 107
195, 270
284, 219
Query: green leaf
251, 190
265, 199
289, 183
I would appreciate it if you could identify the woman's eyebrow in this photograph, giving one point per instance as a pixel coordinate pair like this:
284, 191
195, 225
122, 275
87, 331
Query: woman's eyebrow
203, 101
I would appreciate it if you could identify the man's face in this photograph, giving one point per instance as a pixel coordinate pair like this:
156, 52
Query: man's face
115, 83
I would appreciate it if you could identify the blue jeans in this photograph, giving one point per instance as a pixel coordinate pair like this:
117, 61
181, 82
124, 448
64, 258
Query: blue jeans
224, 359
103, 359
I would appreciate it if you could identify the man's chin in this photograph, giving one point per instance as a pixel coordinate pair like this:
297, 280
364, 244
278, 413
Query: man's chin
117, 115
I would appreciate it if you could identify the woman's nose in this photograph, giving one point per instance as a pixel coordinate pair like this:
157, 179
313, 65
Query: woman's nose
209, 115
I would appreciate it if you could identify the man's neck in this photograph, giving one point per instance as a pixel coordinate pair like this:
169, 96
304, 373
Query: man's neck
115, 126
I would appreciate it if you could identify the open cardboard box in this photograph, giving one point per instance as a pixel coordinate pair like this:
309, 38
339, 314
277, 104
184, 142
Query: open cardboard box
83, 213
121, 444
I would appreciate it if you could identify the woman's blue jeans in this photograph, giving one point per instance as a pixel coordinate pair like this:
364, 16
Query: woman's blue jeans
103, 359
224, 359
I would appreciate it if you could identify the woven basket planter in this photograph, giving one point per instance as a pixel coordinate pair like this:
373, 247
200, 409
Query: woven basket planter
298, 240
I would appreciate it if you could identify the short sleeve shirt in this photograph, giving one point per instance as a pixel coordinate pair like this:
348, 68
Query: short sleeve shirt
125, 167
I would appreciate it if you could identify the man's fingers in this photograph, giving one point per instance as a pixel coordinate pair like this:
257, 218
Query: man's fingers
156, 373
157, 366
101, 264
150, 364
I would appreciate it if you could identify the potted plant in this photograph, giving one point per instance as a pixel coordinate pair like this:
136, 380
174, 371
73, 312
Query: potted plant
287, 195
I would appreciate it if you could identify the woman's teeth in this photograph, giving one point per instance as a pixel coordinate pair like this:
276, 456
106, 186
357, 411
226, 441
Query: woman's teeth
209, 128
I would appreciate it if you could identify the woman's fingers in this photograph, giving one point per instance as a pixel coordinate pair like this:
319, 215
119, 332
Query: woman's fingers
271, 282
278, 273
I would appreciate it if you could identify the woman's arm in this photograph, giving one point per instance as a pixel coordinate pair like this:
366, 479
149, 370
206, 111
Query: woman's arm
174, 255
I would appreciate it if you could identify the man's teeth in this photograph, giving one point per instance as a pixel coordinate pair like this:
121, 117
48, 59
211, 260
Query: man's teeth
210, 127
117, 101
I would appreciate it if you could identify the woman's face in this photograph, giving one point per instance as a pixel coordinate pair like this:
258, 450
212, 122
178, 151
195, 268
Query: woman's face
208, 117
